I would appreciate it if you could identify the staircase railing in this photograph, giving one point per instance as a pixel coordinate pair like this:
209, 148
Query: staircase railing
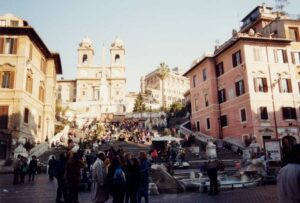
39, 149
199, 135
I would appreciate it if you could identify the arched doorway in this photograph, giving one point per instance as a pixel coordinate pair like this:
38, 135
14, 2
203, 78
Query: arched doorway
287, 144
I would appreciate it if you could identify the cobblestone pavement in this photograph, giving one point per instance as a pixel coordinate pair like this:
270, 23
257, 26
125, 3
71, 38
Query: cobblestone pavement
43, 191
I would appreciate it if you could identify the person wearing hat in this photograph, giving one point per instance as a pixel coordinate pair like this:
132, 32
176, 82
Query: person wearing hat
288, 178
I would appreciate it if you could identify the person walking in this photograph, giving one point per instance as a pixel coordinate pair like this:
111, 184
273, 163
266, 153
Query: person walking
132, 169
212, 172
51, 166
72, 174
24, 169
144, 177
59, 172
99, 191
17, 170
288, 178
116, 180
32, 168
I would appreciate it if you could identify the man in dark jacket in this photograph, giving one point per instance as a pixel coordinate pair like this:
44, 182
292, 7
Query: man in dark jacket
51, 164
144, 177
32, 169
72, 174
59, 172
212, 172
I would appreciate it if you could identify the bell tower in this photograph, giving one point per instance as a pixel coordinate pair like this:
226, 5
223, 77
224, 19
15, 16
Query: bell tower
85, 52
117, 53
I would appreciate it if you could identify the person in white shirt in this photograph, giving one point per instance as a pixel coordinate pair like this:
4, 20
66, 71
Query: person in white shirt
288, 179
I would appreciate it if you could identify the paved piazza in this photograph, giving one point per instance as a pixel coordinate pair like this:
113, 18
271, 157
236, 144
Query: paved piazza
43, 191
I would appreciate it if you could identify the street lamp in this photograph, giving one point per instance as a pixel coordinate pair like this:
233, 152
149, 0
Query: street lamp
47, 139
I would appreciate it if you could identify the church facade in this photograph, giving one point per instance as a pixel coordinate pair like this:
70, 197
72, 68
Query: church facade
97, 89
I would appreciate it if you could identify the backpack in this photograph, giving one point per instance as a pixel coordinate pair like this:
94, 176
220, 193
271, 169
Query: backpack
119, 177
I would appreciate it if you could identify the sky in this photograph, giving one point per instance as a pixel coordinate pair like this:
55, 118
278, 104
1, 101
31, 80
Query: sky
172, 31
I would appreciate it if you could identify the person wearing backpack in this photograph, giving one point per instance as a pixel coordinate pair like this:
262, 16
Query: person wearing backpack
117, 180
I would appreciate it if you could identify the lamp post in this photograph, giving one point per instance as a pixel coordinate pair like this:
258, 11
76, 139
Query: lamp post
47, 139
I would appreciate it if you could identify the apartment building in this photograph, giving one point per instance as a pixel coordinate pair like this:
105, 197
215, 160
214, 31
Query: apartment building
175, 85
28, 73
249, 87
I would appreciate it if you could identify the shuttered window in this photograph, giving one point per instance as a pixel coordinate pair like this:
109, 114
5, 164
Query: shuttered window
222, 95
263, 113
223, 120
8, 45
236, 58
285, 86
260, 85
289, 113
26, 115
280, 56
7, 79
219, 69
239, 88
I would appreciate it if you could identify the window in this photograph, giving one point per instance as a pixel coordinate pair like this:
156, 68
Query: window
30, 52
83, 93
204, 74
59, 96
198, 126
222, 95
40, 122
84, 58
295, 57
42, 92
2, 22
14, 23
29, 81
285, 86
206, 99
243, 115
293, 33
289, 113
8, 45
280, 56
194, 80
236, 58
260, 85
7, 79
207, 123
257, 55
3, 117
43, 65
223, 121
263, 113
196, 104
117, 59
26, 115
239, 88
219, 69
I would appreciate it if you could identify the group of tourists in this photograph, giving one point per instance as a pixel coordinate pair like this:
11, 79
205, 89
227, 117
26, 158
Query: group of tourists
23, 168
113, 173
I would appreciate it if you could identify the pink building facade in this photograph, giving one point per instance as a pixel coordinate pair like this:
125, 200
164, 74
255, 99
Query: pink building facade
249, 87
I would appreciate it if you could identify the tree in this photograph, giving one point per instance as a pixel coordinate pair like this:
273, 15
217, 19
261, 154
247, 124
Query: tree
176, 107
163, 73
139, 105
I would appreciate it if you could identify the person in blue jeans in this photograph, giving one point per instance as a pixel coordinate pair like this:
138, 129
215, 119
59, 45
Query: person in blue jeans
144, 177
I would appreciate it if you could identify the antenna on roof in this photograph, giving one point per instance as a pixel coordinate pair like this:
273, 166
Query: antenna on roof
280, 5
